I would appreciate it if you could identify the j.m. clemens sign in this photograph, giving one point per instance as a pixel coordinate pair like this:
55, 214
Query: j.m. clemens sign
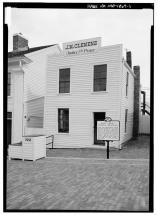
82, 46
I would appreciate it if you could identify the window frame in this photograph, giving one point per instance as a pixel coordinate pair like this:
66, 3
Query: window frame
64, 130
64, 82
99, 78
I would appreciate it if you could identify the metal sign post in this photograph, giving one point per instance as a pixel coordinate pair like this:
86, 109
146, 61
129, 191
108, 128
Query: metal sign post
108, 149
108, 119
108, 130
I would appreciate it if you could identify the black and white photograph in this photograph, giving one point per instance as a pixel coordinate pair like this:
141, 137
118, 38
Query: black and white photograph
78, 107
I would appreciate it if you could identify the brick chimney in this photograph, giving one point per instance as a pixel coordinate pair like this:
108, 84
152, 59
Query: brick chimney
136, 101
20, 43
129, 58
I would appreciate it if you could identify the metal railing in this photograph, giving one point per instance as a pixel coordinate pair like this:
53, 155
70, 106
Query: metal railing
145, 109
51, 142
144, 105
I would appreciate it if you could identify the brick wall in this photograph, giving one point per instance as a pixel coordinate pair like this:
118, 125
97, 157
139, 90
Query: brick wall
19, 43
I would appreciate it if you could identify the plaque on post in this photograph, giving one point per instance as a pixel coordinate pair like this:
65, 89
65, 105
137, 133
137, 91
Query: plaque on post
108, 130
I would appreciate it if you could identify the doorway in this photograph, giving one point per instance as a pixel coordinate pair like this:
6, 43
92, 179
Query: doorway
98, 116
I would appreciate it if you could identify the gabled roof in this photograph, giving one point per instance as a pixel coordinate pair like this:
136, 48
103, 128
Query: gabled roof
22, 53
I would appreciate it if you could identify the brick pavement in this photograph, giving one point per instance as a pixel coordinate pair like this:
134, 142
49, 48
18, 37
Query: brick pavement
78, 184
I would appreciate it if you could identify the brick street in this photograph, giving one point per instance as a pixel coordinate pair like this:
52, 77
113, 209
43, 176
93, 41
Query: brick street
78, 184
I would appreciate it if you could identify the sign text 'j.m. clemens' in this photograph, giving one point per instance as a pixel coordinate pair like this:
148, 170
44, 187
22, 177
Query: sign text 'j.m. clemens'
82, 46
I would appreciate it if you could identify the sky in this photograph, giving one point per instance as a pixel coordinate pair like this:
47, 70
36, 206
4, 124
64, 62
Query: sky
50, 26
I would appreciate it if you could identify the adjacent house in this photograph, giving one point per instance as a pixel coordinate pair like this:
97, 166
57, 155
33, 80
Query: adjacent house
26, 87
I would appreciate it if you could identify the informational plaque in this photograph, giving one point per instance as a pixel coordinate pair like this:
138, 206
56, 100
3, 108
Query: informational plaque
108, 130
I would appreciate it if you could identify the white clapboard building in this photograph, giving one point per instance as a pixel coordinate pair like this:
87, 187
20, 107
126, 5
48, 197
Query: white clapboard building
26, 88
86, 83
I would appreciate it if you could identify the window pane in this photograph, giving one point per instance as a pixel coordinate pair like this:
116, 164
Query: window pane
63, 120
100, 85
9, 115
102, 67
64, 74
100, 73
64, 80
64, 87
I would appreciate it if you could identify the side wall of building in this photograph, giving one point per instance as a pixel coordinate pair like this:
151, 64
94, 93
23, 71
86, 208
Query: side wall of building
34, 90
35, 73
82, 101
127, 102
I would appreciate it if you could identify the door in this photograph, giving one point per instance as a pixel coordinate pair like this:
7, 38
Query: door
98, 116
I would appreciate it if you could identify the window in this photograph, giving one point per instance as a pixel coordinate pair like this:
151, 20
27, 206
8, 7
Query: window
9, 115
100, 73
9, 84
64, 80
63, 120
127, 83
126, 119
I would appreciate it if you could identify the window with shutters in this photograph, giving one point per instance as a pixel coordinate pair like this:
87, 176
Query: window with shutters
100, 77
64, 80
63, 120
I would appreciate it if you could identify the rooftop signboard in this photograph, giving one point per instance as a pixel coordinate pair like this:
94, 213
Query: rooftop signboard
82, 46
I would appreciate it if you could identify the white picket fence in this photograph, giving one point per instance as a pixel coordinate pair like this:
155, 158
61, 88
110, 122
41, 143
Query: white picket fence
144, 124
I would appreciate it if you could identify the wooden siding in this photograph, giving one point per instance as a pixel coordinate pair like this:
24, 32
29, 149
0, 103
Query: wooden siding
127, 102
35, 88
35, 73
10, 98
17, 95
35, 113
81, 100
34, 131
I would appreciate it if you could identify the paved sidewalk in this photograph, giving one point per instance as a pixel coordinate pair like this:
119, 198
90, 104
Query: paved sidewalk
134, 149
78, 184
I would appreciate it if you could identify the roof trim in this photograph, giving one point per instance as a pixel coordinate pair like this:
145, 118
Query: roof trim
128, 67
30, 50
